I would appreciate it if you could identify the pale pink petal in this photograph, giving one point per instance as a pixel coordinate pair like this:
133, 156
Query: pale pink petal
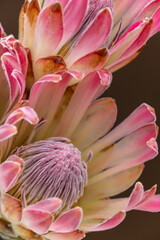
111, 223
19, 77
140, 41
152, 205
9, 63
36, 220
92, 61
49, 205
94, 37
10, 171
7, 131
25, 113
148, 195
2, 33
76, 235
125, 41
148, 11
100, 116
80, 101
11, 208
46, 94
50, 2
73, 17
136, 196
48, 32
133, 11
21, 56
68, 221
138, 118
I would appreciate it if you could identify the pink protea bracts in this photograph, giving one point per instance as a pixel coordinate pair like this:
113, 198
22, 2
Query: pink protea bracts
56, 188
85, 35
13, 69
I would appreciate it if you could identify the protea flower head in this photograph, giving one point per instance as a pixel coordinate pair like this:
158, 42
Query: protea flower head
58, 177
63, 165
85, 35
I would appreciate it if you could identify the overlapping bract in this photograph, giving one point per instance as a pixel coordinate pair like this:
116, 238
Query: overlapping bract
86, 35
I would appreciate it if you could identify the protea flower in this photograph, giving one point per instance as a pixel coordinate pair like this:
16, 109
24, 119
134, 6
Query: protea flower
58, 177
59, 174
85, 35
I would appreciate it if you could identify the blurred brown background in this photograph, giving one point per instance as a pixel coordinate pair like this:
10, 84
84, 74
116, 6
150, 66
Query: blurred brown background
136, 83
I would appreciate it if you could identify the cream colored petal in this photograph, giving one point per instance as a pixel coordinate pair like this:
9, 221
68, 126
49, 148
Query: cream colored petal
101, 185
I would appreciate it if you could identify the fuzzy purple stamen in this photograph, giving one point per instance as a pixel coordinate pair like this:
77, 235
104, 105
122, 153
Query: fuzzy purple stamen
53, 168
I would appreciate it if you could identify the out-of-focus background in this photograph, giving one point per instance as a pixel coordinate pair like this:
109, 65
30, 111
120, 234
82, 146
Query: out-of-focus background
136, 83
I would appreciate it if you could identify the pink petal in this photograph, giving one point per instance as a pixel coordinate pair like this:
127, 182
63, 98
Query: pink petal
2, 33
26, 113
46, 94
148, 11
99, 116
80, 101
128, 152
156, 22
148, 195
7, 131
19, 77
125, 41
11, 208
133, 12
48, 32
50, 2
152, 205
111, 223
10, 171
36, 220
21, 56
9, 63
136, 196
138, 118
73, 17
94, 37
92, 61
76, 235
140, 41
68, 222
49, 205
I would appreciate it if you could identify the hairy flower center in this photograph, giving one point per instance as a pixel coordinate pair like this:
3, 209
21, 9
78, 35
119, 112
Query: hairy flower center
53, 168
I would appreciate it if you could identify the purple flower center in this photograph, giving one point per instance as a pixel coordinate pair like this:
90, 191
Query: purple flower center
53, 168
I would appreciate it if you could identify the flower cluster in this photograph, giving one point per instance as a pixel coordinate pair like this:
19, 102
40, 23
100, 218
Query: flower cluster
62, 164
